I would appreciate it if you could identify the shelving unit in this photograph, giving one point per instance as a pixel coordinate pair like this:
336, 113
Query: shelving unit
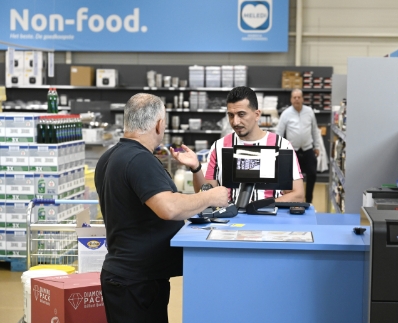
334, 169
133, 78
371, 131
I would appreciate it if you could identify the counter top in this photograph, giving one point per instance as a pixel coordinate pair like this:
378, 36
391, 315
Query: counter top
330, 232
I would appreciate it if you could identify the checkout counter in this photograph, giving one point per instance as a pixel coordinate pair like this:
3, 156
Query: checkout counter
243, 280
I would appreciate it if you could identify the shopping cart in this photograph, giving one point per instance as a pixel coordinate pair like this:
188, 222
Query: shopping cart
50, 233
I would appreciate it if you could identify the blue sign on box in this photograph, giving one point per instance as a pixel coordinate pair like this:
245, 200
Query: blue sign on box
158, 26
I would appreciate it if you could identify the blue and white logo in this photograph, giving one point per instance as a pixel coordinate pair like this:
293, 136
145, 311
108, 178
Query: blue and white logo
254, 16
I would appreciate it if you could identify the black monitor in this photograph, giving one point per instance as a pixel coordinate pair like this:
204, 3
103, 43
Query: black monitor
240, 169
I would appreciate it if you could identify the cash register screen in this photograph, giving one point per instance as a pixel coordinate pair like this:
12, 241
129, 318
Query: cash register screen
255, 164
249, 170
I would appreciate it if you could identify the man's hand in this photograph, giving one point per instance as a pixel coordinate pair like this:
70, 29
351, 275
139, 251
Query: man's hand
218, 196
188, 158
316, 152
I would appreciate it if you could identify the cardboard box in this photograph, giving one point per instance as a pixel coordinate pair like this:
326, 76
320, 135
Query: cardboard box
91, 247
82, 75
107, 77
73, 298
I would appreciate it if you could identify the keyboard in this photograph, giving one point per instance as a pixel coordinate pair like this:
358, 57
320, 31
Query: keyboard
289, 204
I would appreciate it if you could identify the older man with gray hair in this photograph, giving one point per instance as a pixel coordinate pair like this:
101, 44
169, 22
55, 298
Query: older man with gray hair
142, 211
298, 125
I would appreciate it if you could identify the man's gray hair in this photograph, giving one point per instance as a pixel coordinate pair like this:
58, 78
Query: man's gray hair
296, 90
142, 112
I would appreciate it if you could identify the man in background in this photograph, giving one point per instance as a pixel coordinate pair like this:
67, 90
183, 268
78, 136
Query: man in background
142, 211
298, 125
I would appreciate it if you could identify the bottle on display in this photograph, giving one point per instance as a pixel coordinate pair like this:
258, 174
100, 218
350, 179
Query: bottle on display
52, 100
49, 100
55, 96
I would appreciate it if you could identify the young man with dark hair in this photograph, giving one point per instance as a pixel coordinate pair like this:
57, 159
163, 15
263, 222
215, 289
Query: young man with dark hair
243, 115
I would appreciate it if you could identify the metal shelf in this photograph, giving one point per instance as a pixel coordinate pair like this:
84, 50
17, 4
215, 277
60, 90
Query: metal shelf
147, 88
338, 131
33, 107
335, 206
338, 171
193, 131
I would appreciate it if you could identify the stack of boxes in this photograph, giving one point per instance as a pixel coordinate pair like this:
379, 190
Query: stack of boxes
198, 100
291, 80
213, 76
311, 82
217, 76
196, 76
25, 68
227, 76
318, 101
29, 170
308, 80
240, 75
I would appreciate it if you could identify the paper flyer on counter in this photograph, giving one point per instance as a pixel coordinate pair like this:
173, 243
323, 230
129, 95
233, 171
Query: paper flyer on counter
261, 236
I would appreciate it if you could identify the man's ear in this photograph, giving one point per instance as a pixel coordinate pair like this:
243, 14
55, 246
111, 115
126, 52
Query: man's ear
158, 124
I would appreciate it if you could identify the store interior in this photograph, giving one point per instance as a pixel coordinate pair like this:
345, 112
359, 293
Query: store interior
336, 59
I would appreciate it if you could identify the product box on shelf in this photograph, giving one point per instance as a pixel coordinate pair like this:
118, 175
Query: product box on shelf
68, 298
2, 129
227, 76
19, 183
196, 76
41, 157
107, 77
16, 214
2, 216
2, 241
213, 76
202, 100
14, 74
15, 79
51, 183
35, 68
14, 157
20, 127
193, 100
47, 157
15, 242
56, 212
18, 58
36, 60
2, 185
291, 80
240, 75
33, 77
82, 76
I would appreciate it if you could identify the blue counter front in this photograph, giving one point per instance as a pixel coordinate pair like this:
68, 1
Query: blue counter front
247, 281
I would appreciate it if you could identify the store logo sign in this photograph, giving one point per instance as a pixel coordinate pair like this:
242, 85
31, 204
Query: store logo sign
254, 16
81, 21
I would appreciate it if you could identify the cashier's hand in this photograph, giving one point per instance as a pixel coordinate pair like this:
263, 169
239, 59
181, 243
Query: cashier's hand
218, 196
187, 158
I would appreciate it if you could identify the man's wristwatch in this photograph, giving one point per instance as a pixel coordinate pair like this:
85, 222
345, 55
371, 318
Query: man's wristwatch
197, 169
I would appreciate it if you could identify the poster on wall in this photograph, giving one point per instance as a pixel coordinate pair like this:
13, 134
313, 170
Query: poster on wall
146, 26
